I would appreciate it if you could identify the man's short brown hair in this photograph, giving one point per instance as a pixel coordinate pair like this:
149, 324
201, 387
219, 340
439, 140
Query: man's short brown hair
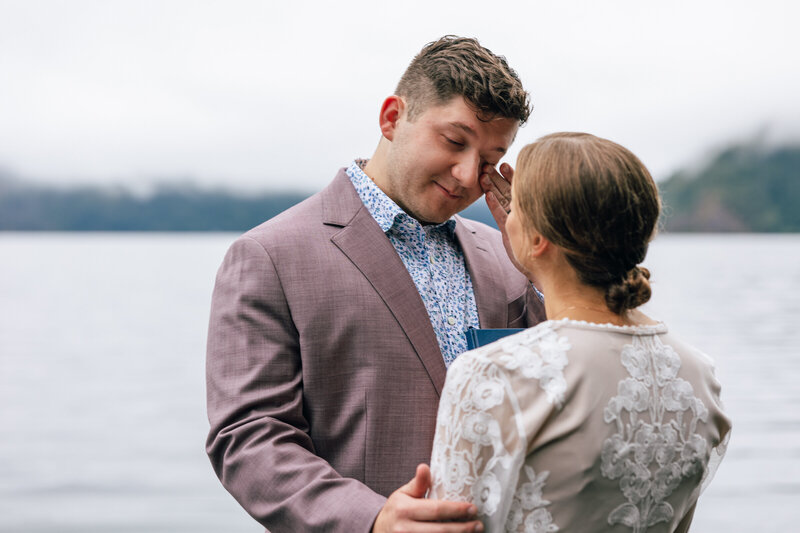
460, 66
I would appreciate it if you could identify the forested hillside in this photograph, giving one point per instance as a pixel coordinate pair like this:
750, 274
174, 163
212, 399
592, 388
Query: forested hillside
168, 208
746, 188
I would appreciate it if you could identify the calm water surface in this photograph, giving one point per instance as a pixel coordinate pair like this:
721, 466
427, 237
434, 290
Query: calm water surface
102, 407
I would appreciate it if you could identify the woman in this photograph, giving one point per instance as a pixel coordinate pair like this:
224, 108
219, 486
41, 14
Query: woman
597, 419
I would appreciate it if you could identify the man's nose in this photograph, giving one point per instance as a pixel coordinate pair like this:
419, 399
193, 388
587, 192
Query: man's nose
467, 170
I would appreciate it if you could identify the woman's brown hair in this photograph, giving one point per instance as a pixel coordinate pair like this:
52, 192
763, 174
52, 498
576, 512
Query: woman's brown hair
597, 201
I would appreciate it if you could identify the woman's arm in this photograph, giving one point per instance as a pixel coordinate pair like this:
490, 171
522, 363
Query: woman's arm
479, 444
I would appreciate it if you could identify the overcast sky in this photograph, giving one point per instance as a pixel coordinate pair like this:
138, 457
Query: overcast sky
279, 95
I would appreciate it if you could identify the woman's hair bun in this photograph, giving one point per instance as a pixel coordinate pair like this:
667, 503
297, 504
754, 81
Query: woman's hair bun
630, 292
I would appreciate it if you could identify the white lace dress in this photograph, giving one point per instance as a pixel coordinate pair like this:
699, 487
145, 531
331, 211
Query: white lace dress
571, 426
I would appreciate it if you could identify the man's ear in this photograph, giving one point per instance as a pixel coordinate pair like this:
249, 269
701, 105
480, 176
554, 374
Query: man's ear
392, 110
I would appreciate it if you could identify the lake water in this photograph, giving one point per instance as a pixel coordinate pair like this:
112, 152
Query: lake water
102, 406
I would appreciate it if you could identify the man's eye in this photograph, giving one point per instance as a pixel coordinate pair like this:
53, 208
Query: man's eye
454, 142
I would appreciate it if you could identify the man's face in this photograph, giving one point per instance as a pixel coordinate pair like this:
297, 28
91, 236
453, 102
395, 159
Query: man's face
434, 162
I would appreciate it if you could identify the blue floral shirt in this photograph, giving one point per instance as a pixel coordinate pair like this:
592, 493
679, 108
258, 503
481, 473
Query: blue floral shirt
434, 260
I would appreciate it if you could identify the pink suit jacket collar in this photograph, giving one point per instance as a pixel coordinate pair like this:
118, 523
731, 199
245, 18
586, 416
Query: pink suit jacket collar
365, 244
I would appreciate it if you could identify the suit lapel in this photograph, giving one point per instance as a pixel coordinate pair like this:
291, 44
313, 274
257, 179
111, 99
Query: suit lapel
365, 244
482, 263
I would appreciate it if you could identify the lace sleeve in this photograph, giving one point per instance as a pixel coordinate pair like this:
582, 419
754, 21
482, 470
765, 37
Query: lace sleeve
480, 441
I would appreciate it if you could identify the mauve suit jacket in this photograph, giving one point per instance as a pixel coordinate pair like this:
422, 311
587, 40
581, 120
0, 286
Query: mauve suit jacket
323, 369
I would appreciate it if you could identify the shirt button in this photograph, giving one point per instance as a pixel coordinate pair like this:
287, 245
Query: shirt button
431, 259
451, 320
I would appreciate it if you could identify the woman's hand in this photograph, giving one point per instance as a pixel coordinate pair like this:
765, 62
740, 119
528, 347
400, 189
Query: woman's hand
497, 189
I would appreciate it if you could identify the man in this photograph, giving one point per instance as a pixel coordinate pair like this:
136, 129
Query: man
332, 324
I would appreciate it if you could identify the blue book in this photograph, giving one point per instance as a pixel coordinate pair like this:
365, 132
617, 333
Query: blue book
480, 337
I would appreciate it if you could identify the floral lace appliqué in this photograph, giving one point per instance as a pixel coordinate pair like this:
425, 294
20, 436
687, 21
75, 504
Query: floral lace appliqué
528, 501
651, 459
480, 434
539, 353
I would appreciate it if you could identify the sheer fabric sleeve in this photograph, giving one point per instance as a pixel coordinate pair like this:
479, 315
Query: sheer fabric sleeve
683, 527
480, 441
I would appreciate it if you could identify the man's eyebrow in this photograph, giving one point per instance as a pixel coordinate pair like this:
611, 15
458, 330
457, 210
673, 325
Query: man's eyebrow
466, 128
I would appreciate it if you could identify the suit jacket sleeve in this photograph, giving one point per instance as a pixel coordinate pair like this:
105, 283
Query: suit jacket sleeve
258, 442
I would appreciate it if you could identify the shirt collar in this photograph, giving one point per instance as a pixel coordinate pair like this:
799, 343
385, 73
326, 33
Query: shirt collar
382, 208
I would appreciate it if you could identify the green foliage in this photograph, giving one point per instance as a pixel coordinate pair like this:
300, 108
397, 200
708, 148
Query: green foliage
747, 187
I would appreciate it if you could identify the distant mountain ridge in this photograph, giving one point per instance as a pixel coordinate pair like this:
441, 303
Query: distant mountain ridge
168, 208
744, 188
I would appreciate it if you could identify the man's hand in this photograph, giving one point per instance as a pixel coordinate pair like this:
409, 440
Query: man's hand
407, 510
497, 186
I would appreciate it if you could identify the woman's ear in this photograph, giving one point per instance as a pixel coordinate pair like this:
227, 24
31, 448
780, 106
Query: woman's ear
392, 110
538, 244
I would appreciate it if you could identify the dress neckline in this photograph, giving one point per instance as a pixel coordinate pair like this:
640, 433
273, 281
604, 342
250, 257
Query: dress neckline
643, 329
